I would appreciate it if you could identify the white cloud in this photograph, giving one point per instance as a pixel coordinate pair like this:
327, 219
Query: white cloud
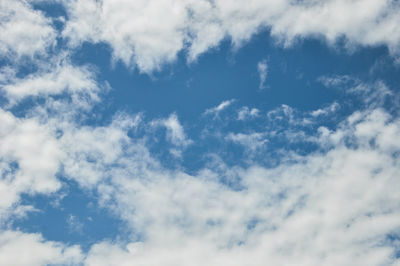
370, 94
217, 109
252, 141
175, 131
246, 113
30, 157
335, 207
262, 69
23, 249
32, 148
283, 112
53, 78
99, 148
25, 32
326, 110
144, 33
324, 208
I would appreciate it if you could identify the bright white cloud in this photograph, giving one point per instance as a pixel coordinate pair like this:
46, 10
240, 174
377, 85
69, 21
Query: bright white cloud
30, 157
144, 33
24, 31
98, 149
22, 249
54, 79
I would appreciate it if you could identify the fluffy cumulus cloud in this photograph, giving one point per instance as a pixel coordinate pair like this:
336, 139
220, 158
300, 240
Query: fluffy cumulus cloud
17, 248
25, 32
149, 34
30, 158
53, 79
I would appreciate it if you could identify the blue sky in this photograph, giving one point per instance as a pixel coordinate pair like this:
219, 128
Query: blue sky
183, 132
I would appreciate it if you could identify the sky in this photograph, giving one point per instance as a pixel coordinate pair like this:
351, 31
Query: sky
199, 132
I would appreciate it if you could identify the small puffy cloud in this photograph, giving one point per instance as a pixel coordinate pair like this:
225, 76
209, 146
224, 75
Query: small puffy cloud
262, 69
175, 133
251, 142
246, 113
326, 110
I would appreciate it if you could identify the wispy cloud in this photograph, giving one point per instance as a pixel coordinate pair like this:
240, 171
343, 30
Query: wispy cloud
214, 111
262, 69
175, 133
74, 224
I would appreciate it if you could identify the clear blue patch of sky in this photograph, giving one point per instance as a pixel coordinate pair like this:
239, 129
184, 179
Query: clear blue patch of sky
52, 218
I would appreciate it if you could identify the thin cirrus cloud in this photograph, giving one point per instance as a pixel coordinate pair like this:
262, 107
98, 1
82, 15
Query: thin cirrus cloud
262, 69
336, 204
215, 111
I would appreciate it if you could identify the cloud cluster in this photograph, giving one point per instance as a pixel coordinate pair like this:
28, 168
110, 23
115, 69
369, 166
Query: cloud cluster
336, 205
52, 78
325, 208
148, 34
